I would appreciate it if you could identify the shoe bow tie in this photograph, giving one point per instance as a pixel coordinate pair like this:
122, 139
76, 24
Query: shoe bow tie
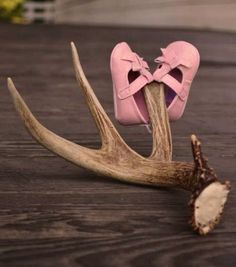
138, 64
169, 57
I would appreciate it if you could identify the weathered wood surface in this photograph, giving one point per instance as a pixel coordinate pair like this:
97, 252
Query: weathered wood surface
55, 214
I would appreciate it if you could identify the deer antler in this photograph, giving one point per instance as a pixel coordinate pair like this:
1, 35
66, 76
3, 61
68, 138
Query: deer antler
117, 160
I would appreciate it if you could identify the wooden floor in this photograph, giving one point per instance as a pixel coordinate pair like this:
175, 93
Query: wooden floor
53, 213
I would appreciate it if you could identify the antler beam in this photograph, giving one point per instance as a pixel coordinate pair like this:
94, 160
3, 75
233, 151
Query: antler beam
117, 160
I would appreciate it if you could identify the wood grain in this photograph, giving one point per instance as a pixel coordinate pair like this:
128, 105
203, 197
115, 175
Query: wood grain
55, 214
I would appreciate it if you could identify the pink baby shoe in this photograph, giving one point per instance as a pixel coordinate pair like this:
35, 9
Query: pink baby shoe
176, 69
129, 75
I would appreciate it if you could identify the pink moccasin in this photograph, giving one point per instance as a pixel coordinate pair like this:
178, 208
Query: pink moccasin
177, 67
129, 75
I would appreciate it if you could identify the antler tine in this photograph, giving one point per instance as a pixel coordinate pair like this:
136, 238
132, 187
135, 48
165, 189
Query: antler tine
82, 156
106, 128
161, 133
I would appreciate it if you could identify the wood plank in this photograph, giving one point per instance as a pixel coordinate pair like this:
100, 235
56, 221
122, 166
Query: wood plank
53, 213
207, 14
